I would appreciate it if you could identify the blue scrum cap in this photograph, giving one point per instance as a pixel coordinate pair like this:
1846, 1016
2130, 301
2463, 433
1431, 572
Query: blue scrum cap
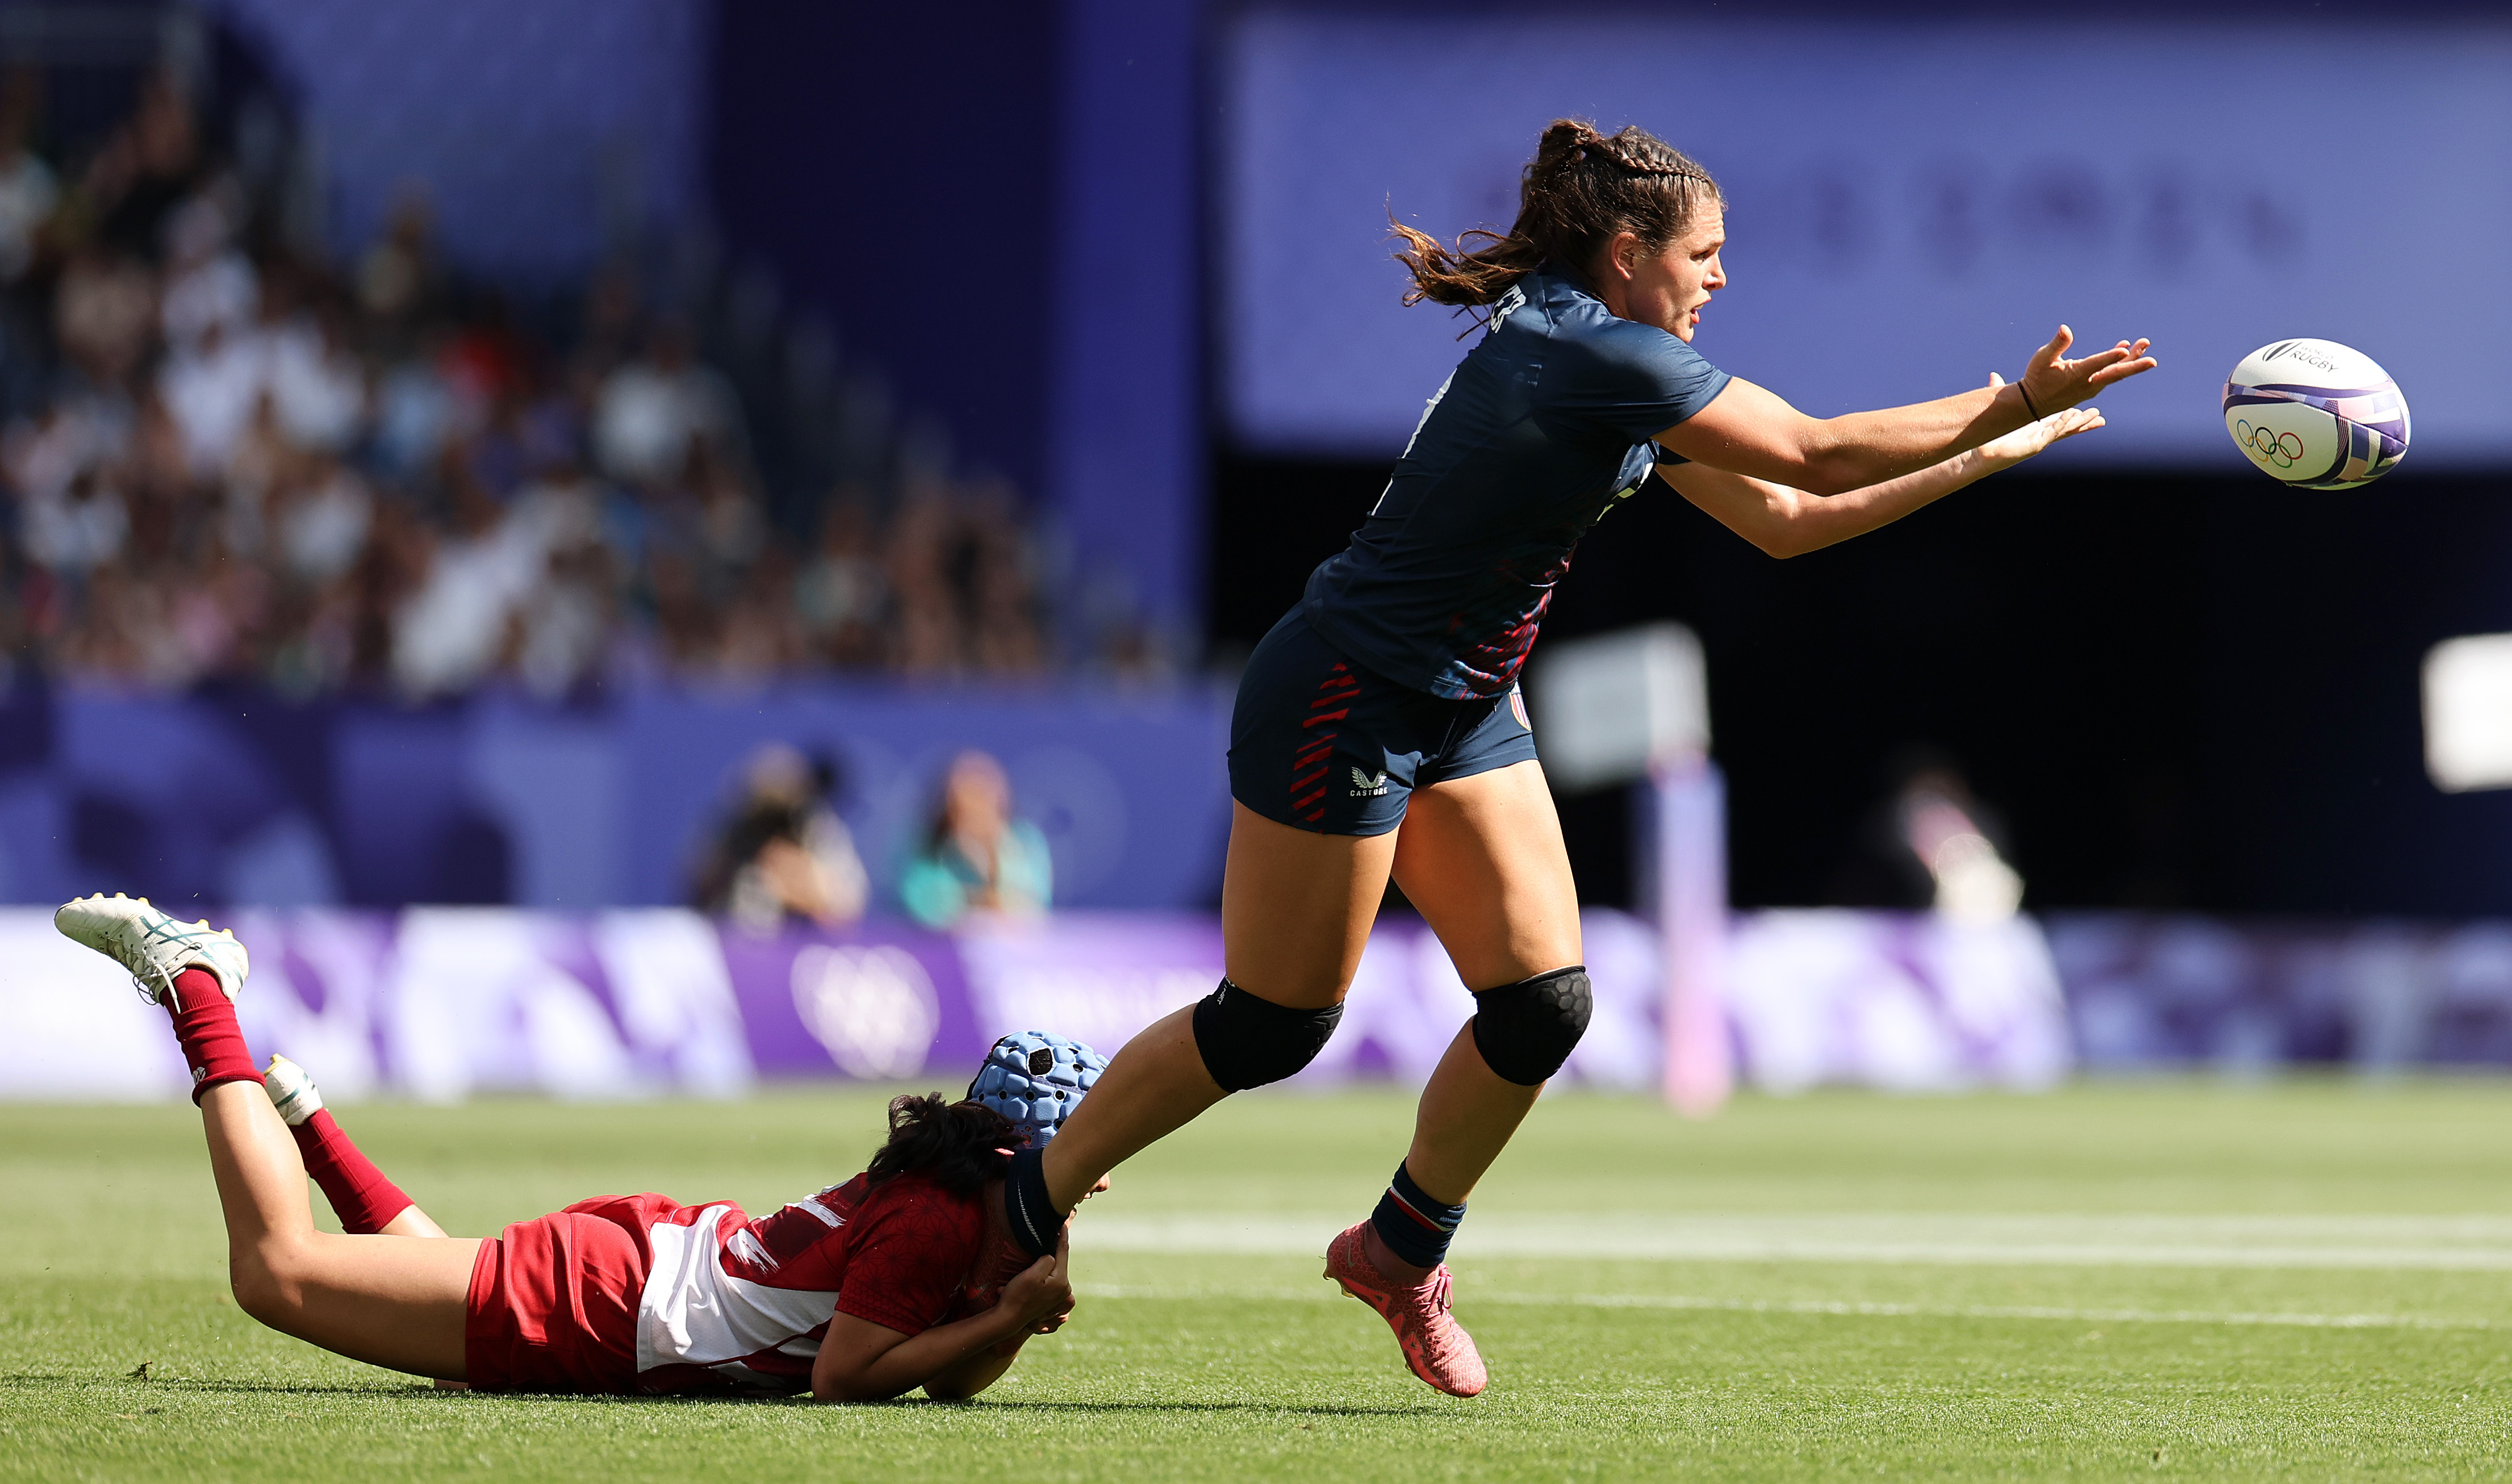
1035, 1080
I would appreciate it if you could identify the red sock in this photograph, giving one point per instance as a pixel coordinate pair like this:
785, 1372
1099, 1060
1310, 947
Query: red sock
359, 1193
205, 1022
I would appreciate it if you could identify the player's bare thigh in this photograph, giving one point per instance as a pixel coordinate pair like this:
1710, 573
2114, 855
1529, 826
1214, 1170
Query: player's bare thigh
398, 1302
1481, 859
1296, 908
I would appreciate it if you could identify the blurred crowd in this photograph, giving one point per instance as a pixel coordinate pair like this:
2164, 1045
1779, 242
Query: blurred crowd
228, 457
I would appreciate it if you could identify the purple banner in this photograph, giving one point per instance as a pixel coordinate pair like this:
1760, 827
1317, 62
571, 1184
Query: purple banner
442, 1004
2179, 991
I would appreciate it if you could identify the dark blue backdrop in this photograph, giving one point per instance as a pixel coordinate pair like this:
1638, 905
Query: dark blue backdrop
235, 796
995, 203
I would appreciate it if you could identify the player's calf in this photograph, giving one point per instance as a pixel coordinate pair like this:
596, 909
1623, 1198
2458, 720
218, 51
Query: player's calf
361, 1196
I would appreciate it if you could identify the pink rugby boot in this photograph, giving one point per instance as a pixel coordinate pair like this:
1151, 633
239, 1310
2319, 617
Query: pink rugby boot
1436, 1346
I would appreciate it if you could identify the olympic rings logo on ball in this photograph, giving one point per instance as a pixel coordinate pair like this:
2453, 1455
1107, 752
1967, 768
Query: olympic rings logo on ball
2282, 450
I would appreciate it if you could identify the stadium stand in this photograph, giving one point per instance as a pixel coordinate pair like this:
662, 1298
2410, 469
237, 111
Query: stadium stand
229, 459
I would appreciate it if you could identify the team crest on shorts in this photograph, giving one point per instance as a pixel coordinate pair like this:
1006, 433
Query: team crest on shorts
1365, 786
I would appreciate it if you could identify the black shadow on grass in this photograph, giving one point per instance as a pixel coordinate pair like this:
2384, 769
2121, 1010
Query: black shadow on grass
254, 1387
1286, 1409
27, 1380
35, 1381
421, 1391
975, 1404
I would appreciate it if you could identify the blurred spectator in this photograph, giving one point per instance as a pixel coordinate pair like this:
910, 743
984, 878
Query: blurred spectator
840, 594
81, 527
315, 383
960, 583
1931, 844
213, 388
653, 409
976, 856
321, 519
222, 460
208, 283
565, 617
101, 314
414, 415
783, 853
28, 189
140, 175
397, 278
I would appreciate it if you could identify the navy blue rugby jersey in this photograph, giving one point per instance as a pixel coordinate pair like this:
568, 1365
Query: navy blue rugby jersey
1544, 425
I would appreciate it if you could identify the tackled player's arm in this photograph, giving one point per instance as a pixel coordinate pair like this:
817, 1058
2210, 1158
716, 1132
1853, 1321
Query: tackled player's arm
863, 1361
959, 1382
1784, 521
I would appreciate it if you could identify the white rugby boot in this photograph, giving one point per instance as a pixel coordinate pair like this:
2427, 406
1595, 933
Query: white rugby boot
152, 945
292, 1091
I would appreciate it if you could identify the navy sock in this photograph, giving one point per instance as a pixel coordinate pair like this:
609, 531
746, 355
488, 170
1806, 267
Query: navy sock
1413, 1226
1035, 1219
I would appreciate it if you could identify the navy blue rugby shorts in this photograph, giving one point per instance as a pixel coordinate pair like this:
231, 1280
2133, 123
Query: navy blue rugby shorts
1318, 743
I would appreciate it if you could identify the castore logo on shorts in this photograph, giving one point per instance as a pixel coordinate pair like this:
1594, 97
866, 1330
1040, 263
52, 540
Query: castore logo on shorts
1364, 786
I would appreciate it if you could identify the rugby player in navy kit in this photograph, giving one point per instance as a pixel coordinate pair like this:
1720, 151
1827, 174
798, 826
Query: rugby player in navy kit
1379, 727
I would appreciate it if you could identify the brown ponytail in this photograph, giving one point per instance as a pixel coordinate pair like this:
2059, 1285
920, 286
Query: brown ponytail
1581, 188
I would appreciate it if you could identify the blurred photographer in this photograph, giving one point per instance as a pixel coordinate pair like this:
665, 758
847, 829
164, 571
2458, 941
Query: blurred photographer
782, 852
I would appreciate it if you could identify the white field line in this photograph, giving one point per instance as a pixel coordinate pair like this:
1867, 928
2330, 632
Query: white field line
1322, 1294
2481, 1244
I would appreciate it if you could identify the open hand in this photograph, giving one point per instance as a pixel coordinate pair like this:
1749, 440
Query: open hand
2054, 384
2033, 436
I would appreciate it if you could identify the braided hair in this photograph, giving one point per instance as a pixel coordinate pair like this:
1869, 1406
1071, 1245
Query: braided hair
1580, 190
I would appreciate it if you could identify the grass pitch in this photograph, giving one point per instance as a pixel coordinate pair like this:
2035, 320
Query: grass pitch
2306, 1280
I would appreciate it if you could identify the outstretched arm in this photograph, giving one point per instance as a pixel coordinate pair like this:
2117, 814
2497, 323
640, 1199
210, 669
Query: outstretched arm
863, 1361
1749, 430
1785, 521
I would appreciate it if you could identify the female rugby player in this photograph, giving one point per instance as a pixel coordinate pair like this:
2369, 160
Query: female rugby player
857, 1293
1388, 696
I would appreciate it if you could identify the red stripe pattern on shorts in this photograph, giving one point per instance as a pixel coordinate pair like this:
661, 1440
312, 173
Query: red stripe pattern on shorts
1309, 765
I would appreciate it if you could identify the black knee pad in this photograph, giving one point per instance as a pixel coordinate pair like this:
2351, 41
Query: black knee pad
1526, 1030
1249, 1041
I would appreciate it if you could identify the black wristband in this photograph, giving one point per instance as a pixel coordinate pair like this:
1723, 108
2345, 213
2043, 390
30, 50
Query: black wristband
2027, 402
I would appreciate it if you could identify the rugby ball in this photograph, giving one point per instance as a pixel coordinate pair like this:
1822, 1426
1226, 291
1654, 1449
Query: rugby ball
2316, 414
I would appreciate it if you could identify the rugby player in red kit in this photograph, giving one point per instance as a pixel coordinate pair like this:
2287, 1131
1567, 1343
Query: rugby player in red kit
865, 1290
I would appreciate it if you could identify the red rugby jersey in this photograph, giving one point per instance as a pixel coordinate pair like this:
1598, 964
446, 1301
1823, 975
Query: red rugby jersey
731, 1301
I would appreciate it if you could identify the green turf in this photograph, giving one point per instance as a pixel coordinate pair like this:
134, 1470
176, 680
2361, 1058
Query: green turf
2305, 1280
